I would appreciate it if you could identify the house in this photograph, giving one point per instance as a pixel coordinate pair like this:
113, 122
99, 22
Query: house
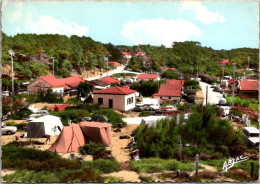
170, 92
248, 89
113, 63
148, 77
224, 62
118, 98
57, 85
103, 83
140, 54
126, 57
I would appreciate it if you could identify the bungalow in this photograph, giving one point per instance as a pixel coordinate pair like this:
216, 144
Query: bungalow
148, 77
248, 89
126, 57
104, 82
117, 98
140, 54
57, 85
113, 63
170, 92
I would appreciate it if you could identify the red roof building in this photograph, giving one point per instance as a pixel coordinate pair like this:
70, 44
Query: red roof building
113, 63
118, 98
249, 85
170, 92
109, 80
126, 54
224, 62
148, 77
58, 107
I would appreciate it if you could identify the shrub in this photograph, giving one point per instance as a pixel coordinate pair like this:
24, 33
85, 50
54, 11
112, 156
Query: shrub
102, 165
92, 148
111, 179
18, 125
146, 179
170, 74
191, 84
146, 113
237, 175
74, 100
29, 98
87, 175
113, 117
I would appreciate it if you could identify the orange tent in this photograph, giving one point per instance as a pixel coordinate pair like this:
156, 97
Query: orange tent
70, 139
97, 132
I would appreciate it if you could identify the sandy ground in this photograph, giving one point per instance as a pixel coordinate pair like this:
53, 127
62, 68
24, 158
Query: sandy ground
128, 114
127, 176
16, 121
199, 97
118, 145
89, 73
237, 126
41, 105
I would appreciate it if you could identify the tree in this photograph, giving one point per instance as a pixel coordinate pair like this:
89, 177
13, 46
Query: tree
170, 74
84, 88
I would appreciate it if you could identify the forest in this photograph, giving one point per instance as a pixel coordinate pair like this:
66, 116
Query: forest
81, 53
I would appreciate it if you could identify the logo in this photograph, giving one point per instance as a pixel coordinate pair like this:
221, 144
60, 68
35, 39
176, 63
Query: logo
230, 163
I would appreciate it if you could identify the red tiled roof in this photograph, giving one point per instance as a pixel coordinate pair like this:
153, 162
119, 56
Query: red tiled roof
169, 90
230, 81
226, 61
68, 83
126, 54
249, 85
148, 76
175, 82
140, 52
168, 68
109, 80
116, 90
59, 107
113, 62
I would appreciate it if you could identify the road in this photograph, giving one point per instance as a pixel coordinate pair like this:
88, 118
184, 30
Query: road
213, 97
119, 69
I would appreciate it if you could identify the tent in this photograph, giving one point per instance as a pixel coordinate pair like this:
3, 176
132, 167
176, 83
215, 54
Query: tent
97, 132
76, 135
47, 124
70, 139
152, 120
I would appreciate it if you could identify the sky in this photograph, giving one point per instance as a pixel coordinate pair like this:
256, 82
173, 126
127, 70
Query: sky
216, 24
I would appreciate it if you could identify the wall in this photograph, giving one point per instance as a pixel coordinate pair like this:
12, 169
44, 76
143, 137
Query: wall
166, 99
58, 89
33, 87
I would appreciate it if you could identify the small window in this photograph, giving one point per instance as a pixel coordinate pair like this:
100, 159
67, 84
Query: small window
132, 99
100, 101
169, 97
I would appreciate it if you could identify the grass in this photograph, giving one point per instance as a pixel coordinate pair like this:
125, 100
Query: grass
102, 165
111, 179
168, 103
146, 113
246, 166
150, 165
215, 163
146, 179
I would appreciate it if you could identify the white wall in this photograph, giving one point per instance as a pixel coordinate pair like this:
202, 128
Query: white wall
58, 89
131, 105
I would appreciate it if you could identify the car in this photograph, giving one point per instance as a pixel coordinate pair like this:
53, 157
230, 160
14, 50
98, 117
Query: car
140, 107
251, 135
6, 93
222, 101
153, 107
8, 130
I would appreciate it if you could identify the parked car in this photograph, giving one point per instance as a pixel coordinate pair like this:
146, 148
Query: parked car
153, 107
8, 130
140, 107
6, 93
251, 135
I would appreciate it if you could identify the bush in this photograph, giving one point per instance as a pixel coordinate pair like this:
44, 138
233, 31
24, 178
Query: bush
147, 88
113, 117
102, 165
20, 114
41, 97
18, 125
87, 175
29, 98
191, 84
237, 175
92, 149
146, 113
111, 179
170, 74
146, 179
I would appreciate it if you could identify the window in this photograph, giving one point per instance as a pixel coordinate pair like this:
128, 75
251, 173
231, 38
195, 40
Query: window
169, 97
132, 99
100, 101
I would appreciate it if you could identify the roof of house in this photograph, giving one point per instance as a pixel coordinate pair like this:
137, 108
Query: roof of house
175, 82
148, 76
109, 80
225, 61
249, 85
68, 83
126, 54
140, 52
169, 90
230, 81
169, 68
116, 90
112, 62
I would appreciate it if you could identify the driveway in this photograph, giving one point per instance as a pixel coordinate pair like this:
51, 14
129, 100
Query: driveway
213, 97
119, 69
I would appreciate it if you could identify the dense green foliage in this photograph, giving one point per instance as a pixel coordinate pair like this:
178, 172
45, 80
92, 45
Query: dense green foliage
170, 74
243, 102
151, 165
147, 88
84, 88
42, 97
193, 84
136, 63
102, 165
92, 148
21, 114
146, 113
124, 75
29, 98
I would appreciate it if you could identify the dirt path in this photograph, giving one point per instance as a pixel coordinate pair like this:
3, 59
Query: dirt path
199, 97
89, 73
127, 176
209, 168
117, 147
131, 114
6, 172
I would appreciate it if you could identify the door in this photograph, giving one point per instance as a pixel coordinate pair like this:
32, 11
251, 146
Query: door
110, 103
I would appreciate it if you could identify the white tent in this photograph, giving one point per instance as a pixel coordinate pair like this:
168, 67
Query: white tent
152, 120
47, 124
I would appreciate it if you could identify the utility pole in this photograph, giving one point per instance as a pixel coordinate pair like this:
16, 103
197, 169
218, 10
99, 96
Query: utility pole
233, 85
12, 55
52, 65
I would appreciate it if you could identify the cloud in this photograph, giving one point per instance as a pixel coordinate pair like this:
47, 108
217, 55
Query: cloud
15, 14
202, 14
159, 31
50, 25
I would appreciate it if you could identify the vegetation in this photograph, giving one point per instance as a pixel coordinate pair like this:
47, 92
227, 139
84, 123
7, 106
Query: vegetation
18, 125
20, 114
146, 113
84, 88
42, 97
170, 74
29, 98
147, 88
147, 179
92, 148
191, 84
102, 165
136, 63
150, 165
113, 117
